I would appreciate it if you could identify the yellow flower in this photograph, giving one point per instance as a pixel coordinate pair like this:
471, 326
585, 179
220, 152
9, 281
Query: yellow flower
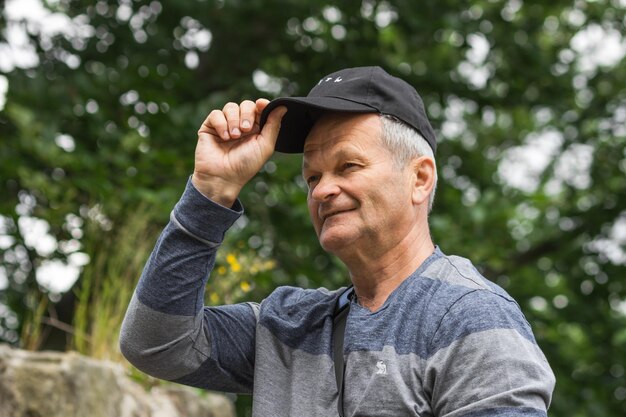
232, 261
245, 286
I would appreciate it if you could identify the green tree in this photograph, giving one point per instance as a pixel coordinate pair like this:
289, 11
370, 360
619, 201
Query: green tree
528, 99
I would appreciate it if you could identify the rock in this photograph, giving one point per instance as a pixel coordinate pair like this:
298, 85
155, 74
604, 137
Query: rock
51, 384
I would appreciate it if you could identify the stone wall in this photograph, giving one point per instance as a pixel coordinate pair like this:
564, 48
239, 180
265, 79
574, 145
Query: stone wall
55, 384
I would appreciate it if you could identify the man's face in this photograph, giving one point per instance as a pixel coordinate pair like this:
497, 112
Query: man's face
358, 198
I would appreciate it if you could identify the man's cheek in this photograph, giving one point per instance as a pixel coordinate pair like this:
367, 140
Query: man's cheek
314, 219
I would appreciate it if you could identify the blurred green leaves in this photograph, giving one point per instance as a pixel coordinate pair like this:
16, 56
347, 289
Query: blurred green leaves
528, 100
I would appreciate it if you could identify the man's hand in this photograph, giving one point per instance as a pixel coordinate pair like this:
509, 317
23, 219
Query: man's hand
231, 148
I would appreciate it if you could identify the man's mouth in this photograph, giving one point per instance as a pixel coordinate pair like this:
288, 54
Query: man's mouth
333, 213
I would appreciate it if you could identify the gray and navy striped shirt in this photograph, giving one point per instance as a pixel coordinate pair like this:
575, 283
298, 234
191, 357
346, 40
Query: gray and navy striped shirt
447, 342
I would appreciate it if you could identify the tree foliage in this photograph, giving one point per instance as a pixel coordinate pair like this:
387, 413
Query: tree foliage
528, 100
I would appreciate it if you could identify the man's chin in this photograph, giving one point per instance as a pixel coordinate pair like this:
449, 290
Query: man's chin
335, 243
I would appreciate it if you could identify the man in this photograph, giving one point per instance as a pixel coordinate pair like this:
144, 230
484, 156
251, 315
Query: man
425, 335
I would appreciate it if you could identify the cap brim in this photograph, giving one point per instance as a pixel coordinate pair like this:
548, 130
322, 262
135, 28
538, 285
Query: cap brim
302, 112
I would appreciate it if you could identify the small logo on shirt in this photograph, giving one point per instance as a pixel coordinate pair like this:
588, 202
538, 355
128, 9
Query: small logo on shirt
381, 368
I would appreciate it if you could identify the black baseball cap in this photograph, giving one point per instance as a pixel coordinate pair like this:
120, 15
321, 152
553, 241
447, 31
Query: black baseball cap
350, 90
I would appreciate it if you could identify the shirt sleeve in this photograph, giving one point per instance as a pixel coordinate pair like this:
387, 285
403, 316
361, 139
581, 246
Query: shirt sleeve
167, 331
485, 361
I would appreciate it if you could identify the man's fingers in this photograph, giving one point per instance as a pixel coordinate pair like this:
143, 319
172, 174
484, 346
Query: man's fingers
231, 112
272, 126
261, 104
234, 120
215, 124
247, 115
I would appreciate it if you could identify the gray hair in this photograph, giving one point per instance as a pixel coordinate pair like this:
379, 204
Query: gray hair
405, 143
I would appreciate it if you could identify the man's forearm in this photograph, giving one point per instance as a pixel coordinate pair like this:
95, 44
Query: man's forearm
163, 332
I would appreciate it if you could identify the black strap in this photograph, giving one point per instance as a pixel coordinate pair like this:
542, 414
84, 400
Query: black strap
339, 328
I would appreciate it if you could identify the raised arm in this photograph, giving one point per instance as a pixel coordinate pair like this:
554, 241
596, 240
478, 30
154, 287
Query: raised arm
167, 331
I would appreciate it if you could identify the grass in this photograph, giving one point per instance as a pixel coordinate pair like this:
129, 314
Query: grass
107, 284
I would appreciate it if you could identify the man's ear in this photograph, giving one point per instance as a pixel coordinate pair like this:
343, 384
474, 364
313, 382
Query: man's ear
424, 171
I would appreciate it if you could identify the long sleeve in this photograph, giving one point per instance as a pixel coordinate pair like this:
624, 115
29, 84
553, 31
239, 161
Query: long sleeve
168, 332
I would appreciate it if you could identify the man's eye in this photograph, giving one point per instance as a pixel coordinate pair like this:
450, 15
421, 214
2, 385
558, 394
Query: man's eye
311, 179
349, 165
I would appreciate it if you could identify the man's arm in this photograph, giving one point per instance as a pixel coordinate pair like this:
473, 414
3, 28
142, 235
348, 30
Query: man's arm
167, 332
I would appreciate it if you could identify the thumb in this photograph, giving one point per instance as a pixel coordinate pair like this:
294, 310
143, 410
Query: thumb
272, 126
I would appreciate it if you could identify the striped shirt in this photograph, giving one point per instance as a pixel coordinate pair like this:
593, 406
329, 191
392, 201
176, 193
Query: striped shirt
447, 342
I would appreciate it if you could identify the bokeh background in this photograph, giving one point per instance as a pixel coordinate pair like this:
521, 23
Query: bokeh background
100, 102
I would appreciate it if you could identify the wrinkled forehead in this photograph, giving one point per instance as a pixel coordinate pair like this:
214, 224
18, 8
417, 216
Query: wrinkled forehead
331, 128
341, 135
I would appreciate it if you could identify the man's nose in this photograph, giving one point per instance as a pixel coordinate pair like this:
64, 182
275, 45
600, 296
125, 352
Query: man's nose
325, 189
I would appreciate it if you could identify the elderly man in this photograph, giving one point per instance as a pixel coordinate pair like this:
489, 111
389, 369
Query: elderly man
420, 333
